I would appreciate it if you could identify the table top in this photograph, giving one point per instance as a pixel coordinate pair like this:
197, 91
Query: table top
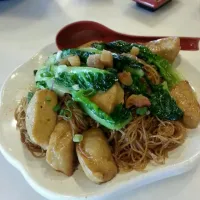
27, 26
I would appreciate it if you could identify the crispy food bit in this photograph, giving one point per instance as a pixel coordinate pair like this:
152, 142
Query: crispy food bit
64, 61
134, 51
125, 78
107, 58
138, 101
74, 60
94, 61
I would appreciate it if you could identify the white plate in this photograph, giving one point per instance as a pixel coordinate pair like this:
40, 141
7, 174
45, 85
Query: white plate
54, 185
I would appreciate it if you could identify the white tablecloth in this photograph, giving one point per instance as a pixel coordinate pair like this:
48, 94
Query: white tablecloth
28, 25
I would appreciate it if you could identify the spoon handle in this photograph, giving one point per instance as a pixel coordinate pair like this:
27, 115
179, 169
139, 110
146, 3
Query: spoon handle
78, 33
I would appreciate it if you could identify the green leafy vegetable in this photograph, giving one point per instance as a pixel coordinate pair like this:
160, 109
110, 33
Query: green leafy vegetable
99, 45
135, 72
29, 96
89, 93
48, 82
120, 114
56, 108
77, 138
115, 121
63, 79
83, 54
85, 78
139, 86
141, 111
66, 114
165, 86
163, 105
165, 68
121, 61
41, 84
118, 46
34, 72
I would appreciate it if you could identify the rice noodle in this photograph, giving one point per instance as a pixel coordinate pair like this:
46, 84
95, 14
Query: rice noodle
145, 139
78, 120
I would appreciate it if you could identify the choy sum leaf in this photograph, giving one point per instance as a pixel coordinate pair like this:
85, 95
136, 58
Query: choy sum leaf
163, 105
85, 78
164, 67
65, 79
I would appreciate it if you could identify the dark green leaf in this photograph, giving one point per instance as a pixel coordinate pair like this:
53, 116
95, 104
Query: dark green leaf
56, 108
41, 84
86, 78
120, 62
29, 96
118, 46
135, 72
66, 114
120, 113
139, 86
141, 111
34, 72
165, 68
163, 105
100, 46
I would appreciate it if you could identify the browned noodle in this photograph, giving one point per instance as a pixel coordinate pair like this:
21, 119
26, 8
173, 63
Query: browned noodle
146, 139
143, 140
78, 121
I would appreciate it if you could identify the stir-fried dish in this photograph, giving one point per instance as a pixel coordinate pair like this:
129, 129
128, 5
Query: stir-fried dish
110, 107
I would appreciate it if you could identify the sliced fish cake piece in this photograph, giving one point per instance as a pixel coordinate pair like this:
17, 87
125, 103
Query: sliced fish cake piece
168, 48
95, 156
61, 150
186, 100
109, 99
40, 117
